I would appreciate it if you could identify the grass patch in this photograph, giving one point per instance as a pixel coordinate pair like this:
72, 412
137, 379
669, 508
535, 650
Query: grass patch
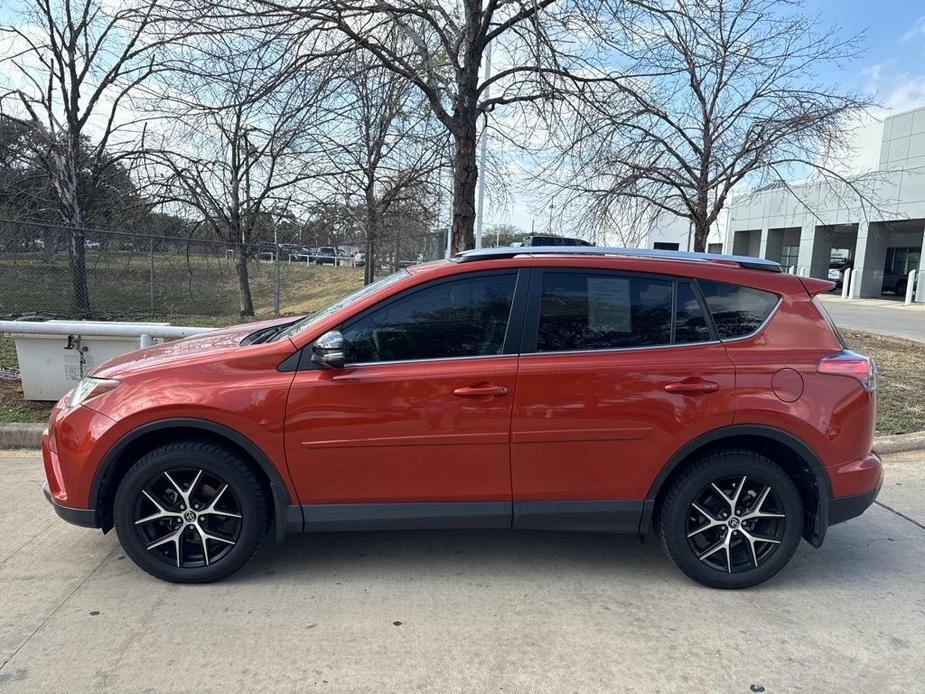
14, 409
7, 353
900, 380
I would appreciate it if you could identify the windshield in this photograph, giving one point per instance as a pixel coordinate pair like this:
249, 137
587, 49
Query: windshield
315, 318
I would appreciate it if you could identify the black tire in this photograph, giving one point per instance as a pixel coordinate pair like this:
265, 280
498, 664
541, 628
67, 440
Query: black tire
227, 537
690, 523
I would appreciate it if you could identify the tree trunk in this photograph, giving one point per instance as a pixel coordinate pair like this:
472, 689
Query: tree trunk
372, 231
65, 182
369, 269
49, 244
701, 233
465, 177
77, 259
244, 283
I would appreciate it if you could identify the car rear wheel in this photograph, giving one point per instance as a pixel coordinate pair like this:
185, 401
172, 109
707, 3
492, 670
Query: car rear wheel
190, 512
731, 520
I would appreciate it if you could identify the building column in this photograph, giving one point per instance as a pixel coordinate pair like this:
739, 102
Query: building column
807, 244
920, 275
869, 258
730, 234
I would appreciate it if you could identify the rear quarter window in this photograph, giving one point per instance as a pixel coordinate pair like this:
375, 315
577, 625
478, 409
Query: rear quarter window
737, 311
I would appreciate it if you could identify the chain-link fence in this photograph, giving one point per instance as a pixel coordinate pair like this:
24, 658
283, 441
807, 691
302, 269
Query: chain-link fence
125, 275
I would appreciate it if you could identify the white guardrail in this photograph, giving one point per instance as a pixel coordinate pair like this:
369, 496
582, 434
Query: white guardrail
145, 332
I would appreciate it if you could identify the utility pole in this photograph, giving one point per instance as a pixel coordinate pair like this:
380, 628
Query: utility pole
482, 153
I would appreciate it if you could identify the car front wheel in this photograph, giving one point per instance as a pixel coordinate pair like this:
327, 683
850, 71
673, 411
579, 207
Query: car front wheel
190, 512
731, 520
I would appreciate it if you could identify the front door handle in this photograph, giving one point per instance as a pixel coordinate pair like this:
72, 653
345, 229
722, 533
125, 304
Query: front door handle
692, 387
480, 391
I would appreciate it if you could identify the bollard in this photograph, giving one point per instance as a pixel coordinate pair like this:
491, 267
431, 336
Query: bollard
910, 288
846, 278
853, 287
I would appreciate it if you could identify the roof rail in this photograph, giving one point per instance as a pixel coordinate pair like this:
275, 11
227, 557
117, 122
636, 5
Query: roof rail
744, 261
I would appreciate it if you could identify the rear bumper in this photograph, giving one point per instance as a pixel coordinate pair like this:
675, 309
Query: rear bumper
862, 480
84, 517
847, 507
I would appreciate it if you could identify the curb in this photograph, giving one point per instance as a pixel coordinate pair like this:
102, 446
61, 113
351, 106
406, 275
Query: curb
21, 435
30, 436
900, 443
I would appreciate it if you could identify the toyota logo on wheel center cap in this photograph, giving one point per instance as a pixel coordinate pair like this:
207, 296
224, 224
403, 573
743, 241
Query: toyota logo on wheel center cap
189, 516
733, 522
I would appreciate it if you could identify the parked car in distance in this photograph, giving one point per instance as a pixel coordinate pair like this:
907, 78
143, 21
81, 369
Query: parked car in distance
359, 259
326, 255
707, 402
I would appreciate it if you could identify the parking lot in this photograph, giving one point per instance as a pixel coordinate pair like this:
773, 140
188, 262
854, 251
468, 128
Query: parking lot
460, 611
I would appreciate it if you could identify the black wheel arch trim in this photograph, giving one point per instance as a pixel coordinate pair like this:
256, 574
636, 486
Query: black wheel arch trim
814, 534
287, 516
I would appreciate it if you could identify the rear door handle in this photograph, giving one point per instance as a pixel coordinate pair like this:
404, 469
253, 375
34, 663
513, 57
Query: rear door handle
480, 391
692, 387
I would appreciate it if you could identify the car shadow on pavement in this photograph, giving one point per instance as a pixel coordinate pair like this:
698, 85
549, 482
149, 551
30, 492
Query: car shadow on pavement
502, 553
874, 546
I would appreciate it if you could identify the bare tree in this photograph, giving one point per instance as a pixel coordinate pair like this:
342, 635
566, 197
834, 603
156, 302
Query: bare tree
239, 146
386, 146
712, 94
69, 69
441, 54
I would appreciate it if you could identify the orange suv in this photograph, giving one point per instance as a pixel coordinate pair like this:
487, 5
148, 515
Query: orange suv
706, 400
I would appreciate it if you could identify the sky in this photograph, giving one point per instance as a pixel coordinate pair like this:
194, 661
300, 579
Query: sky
890, 68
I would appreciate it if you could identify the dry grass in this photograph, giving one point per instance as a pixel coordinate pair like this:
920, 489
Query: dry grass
900, 380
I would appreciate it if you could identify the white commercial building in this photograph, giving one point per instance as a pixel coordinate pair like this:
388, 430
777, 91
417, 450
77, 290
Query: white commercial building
672, 233
819, 228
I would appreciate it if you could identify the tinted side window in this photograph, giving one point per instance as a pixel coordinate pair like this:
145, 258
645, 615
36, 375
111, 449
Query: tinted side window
466, 317
737, 311
581, 311
690, 323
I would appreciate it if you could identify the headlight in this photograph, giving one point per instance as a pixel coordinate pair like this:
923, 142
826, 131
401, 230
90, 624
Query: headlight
89, 388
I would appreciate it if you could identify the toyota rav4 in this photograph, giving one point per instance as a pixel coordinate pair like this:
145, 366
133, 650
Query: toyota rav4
704, 400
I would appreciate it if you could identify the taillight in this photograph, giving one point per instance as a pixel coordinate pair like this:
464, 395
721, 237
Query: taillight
847, 363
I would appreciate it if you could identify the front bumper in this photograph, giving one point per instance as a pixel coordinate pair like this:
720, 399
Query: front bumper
84, 517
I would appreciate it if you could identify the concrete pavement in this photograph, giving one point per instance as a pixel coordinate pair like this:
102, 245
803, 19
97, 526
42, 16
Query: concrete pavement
884, 316
460, 611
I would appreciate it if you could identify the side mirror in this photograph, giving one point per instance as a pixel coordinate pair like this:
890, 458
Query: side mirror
328, 350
